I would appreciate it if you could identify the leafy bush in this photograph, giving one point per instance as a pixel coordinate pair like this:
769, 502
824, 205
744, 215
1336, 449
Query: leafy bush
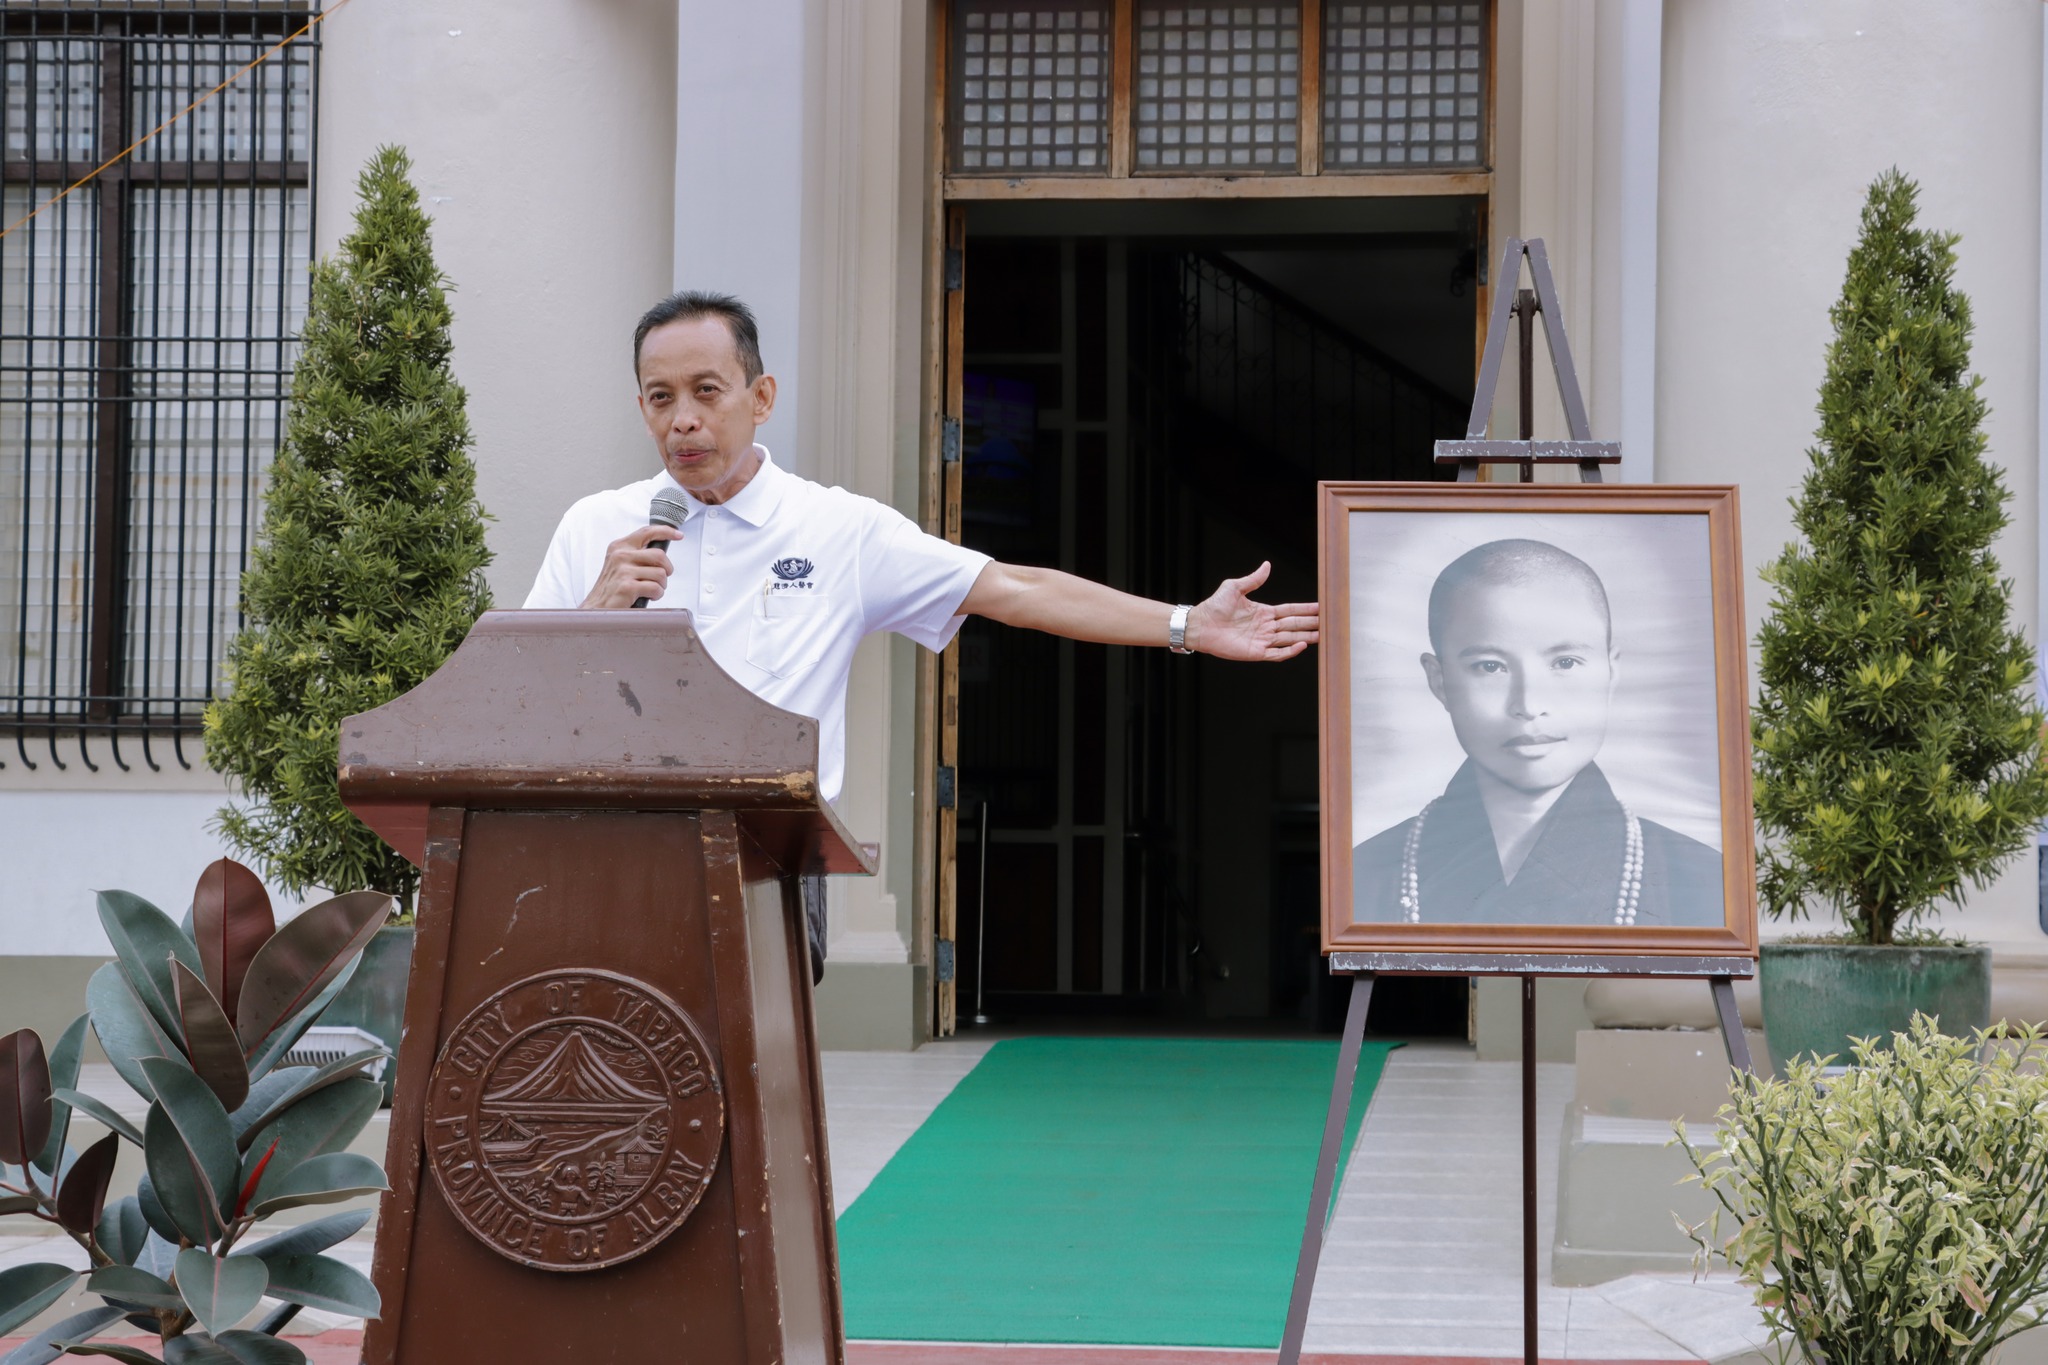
196, 1019
368, 571
1893, 1213
1898, 751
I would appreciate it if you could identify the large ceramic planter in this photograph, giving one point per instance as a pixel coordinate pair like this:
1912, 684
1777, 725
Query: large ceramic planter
374, 998
1817, 997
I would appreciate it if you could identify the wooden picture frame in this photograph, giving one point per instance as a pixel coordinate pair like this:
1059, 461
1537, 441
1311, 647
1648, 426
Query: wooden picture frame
1419, 892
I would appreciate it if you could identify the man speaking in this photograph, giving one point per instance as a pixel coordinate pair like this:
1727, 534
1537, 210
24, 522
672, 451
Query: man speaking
783, 577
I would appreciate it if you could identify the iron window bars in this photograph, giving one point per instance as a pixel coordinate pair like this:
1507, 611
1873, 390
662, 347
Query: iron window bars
1216, 87
148, 326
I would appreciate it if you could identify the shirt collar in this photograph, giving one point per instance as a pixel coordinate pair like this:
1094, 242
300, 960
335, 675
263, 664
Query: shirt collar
753, 504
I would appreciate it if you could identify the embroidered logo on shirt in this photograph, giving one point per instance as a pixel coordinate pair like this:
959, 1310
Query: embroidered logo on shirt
794, 573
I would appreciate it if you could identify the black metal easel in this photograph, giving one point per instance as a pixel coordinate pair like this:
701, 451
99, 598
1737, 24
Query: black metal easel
1363, 967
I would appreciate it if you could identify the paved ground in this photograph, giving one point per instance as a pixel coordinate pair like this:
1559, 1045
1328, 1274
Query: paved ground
1423, 1259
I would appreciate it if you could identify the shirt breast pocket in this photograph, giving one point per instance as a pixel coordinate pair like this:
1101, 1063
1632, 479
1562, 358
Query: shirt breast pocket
789, 632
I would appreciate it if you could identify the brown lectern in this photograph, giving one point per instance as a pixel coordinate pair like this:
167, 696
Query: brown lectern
608, 1141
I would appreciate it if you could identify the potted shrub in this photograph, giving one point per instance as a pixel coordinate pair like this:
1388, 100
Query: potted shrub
367, 574
1891, 1213
197, 1019
1898, 750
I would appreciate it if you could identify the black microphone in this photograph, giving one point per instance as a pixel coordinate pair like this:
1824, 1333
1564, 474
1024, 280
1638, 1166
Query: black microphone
666, 510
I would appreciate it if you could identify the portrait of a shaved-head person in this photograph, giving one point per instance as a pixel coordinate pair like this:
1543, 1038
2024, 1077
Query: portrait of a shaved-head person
1533, 718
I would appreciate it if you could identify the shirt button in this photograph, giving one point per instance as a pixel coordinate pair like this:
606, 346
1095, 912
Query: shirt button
710, 549
714, 512
710, 588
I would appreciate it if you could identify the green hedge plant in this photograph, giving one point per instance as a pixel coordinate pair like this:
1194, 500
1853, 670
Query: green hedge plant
368, 571
1895, 1213
197, 1019
1898, 749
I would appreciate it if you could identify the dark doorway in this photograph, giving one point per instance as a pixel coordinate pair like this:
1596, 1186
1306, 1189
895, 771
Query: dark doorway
1155, 412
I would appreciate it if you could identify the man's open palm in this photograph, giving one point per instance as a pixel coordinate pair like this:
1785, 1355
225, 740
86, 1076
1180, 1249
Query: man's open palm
1230, 625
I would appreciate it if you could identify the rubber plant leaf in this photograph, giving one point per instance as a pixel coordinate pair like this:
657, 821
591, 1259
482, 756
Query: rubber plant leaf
24, 1097
132, 1286
196, 1348
221, 1290
102, 1113
83, 1196
146, 942
326, 1121
310, 1238
122, 1230
26, 1290
210, 1042
259, 1348
153, 1213
127, 1031
323, 1180
231, 919
282, 1040
264, 1092
189, 1149
133, 1355
64, 1062
324, 1283
305, 1082
302, 957
41, 1349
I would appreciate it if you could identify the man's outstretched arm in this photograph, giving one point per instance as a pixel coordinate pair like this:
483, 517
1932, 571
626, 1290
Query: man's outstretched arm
1228, 625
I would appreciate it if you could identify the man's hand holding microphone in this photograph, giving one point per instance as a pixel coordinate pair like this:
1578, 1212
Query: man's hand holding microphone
636, 566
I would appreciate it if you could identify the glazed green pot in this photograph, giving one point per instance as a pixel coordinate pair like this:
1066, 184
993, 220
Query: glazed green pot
374, 998
1817, 997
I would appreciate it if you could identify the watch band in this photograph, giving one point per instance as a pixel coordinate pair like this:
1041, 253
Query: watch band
1177, 629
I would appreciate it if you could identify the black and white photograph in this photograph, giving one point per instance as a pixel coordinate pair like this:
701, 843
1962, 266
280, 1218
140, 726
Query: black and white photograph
1534, 735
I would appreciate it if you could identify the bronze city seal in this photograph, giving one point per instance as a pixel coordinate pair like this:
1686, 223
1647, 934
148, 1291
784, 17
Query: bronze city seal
574, 1120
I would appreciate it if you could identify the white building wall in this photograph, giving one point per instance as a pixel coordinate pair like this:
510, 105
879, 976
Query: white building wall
543, 139
1775, 120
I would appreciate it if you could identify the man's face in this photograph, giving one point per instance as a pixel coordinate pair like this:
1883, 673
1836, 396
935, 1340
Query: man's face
698, 405
1526, 672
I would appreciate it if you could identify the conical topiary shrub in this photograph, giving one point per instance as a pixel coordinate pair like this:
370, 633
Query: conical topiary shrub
368, 569
1898, 750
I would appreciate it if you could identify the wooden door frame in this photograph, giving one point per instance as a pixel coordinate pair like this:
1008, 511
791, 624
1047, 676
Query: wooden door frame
947, 197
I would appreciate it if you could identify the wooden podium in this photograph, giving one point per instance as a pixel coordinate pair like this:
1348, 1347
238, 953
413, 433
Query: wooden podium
608, 1139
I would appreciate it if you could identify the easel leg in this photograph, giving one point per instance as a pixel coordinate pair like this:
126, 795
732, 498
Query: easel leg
1529, 1325
1326, 1170
1731, 1024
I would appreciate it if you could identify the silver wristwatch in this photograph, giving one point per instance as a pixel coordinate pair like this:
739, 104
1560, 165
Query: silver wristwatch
1177, 629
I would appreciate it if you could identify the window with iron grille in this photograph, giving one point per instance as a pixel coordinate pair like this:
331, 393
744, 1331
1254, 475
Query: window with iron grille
1120, 90
148, 326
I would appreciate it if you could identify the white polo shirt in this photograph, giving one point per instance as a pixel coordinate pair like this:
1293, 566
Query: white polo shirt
784, 580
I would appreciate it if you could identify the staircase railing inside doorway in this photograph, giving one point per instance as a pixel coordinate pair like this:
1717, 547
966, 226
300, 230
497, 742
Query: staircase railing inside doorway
1311, 394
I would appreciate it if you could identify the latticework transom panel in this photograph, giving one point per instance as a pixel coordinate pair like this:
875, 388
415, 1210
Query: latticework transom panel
1403, 86
1218, 88
1031, 88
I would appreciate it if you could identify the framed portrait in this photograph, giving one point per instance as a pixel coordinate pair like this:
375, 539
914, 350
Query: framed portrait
1535, 721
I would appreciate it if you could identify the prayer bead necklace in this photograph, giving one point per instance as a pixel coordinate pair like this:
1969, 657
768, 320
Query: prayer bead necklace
1624, 903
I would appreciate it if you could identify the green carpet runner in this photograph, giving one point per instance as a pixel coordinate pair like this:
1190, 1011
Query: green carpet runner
1106, 1190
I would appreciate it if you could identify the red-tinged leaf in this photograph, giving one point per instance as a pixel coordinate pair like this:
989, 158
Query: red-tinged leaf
24, 1097
231, 919
302, 957
83, 1196
255, 1179
210, 1040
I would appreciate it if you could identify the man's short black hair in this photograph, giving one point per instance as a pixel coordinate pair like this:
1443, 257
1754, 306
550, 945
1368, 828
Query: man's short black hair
690, 304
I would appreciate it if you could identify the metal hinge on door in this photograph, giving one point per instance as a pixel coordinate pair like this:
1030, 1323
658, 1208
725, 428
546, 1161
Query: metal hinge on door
953, 264
942, 966
949, 441
948, 797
